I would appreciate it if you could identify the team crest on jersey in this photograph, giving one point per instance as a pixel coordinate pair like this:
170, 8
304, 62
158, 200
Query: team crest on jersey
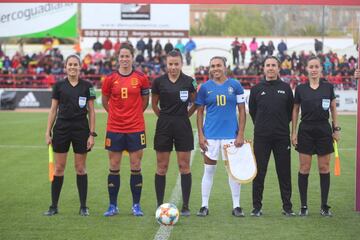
326, 104
184, 95
230, 90
134, 82
82, 102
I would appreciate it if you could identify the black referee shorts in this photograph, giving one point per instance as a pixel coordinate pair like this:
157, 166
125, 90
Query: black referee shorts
70, 131
315, 138
173, 131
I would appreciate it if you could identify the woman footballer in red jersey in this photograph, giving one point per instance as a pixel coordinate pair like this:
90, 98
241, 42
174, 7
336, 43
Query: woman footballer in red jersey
125, 96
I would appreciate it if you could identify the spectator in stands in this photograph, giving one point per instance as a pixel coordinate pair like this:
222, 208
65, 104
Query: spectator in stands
47, 43
158, 48
7, 64
352, 62
318, 46
56, 69
97, 46
243, 49
179, 45
189, 47
107, 47
253, 47
117, 46
286, 66
139, 59
235, 48
141, 46
168, 47
263, 49
270, 48
149, 47
327, 66
282, 48
1, 51
105, 69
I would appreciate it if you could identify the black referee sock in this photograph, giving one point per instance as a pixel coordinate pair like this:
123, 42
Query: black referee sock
113, 188
136, 181
82, 185
186, 188
325, 186
160, 183
56, 189
303, 187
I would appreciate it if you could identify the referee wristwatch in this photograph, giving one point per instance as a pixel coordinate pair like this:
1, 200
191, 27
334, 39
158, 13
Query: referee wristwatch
94, 134
336, 129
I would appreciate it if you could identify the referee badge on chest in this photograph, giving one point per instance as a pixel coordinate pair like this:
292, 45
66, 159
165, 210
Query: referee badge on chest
82, 102
326, 104
184, 95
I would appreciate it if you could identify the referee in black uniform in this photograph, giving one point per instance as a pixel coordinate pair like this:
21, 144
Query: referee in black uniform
72, 100
315, 135
174, 91
270, 106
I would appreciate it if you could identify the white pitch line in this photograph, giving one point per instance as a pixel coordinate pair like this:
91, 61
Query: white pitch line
164, 232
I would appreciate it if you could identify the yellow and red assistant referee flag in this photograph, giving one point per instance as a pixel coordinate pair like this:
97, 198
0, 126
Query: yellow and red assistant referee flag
51, 163
337, 160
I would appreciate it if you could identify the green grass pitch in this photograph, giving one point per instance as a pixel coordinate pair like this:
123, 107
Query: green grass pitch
25, 193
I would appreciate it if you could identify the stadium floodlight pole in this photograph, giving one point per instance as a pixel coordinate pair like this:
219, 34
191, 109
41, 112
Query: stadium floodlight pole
357, 176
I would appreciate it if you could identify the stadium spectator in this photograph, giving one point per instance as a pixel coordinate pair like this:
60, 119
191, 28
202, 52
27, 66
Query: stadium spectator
56, 42
189, 47
141, 46
270, 48
139, 59
318, 46
108, 46
282, 48
158, 48
97, 46
235, 48
179, 45
263, 49
47, 43
173, 126
149, 47
315, 134
217, 129
69, 107
243, 49
1, 51
125, 95
270, 107
253, 47
117, 46
168, 47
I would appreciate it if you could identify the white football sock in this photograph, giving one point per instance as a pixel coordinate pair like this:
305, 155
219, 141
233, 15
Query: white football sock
206, 183
235, 192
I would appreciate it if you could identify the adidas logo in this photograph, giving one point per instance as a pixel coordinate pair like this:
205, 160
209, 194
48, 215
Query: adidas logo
29, 100
263, 93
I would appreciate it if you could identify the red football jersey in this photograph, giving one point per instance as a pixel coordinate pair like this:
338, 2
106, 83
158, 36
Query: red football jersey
125, 101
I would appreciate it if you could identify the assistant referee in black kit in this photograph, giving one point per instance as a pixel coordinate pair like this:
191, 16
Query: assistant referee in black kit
174, 91
72, 100
316, 99
270, 107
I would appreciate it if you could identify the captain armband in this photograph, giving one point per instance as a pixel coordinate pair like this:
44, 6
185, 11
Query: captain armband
145, 91
240, 98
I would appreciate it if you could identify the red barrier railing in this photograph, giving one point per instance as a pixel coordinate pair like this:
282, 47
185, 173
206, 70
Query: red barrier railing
46, 81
